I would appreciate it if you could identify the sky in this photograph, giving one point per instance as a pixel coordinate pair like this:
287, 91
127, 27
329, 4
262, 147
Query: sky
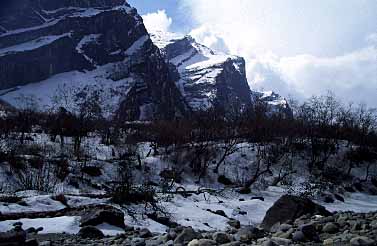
296, 48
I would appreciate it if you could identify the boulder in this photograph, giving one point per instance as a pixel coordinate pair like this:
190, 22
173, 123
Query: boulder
222, 179
234, 223
285, 227
248, 234
298, 236
261, 198
339, 197
110, 216
281, 241
138, 242
245, 190
349, 189
187, 235
92, 171
14, 237
289, 208
331, 228
310, 232
232, 244
32, 242
91, 232
362, 241
221, 237
221, 213
202, 242
145, 233
328, 199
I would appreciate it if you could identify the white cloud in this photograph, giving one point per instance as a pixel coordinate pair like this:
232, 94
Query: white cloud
352, 77
208, 38
372, 39
297, 47
158, 21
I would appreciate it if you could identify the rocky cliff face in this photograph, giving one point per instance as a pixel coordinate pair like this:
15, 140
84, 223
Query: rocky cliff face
50, 46
207, 78
275, 103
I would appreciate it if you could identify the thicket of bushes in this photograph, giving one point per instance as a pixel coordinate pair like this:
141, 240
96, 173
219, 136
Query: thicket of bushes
316, 130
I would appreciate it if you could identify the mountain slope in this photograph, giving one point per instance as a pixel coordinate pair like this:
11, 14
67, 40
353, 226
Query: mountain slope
210, 78
69, 51
207, 78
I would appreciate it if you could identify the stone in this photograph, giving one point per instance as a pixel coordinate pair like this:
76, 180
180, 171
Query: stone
362, 241
328, 242
358, 186
221, 237
45, 243
269, 242
138, 241
31, 242
39, 229
194, 242
187, 235
202, 242
30, 230
298, 236
111, 216
310, 232
128, 228
92, 171
349, 189
245, 191
339, 197
287, 234
169, 243
285, 227
172, 234
234, 223
17, 236
232, 244
289, 208
221, 213
281, 241
145, 233
222, 179
90, 232
248, 233
328, 199
260, 198
330, 228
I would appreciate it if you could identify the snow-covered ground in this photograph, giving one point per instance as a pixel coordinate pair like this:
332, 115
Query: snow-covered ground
190, 211
66, 224
61, 89
32, 45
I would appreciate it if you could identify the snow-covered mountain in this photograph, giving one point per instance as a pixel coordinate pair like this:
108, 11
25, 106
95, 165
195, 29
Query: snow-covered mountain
275, 103
63, 53
68, 51
207, 77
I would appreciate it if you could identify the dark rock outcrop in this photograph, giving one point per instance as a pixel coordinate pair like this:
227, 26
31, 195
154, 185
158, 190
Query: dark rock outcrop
91, 232
40, 39
289, 208
14, 237
95, 217
208, 78
275, 104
